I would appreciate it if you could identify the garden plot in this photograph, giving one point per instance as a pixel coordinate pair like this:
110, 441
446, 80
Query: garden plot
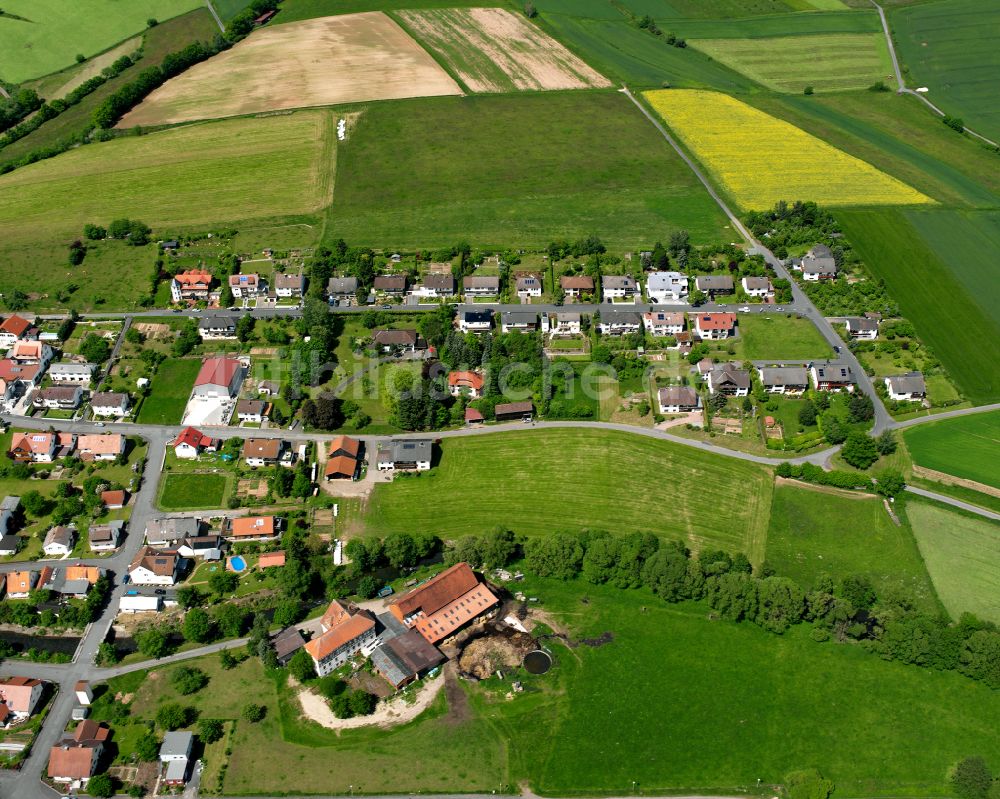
493, 50
325, 61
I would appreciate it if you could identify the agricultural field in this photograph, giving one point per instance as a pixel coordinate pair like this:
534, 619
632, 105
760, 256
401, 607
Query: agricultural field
494, 50
965, 447
59, 84
962, 553
514, 170
828, 63
51, 33
524, 481
770, 26
950, 47
944, 314
817, 531
296, 10
326, 61
759, 159
170, 389
200, 175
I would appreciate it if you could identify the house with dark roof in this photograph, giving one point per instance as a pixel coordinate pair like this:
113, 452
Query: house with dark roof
405, 454
406, 340
713, 285
619, 323
435, 286
784, 379
576, 285
474, 321
406, 658
109, 403
861, 328
514, 411
909, 387
253, 411
342, 288
154, 567
818, 264
481, 286
391, 285
729, 379
832, 376
216, 327
528, 286
678, 399
262, 451
62, 397
518, 321
618, 287
289, 285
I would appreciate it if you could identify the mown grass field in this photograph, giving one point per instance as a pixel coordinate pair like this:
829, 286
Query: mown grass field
169, 392
759, 159
684, 704
951, 48
516, 170
944, 314
966, 446
201, 175
816, 531
53, 32
828, 63
780, 337
763, 27
962, 553
577, 479
295, 10
193, 491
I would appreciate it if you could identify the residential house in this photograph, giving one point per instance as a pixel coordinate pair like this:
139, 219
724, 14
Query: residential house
528, 286
286, 644
19, 698
518, 321
617, 323
832, 376
9, 393
286, 285
784, 379
758, 287
715, 325
514, 411
9, 508
105, 537
134, 602
168, 533
862, 328
567, 324
480, 286
468, 383
262, 451
445, 604
390, 285
714, 285
344, 635
193, 284
75, 758
477, 322
818, 264
245, 286
216, 327
342, 289
34, 447
81, 373
474, 418
101, 447
19, 377
114, 499
663, 323
343, 459
729, 379
60, 397
12, 328
154, 567
666, 287
219, 378
110, 403
59, 541
435, 286
251, 528
618, 287
404, 454
268, 388
406, 658
26, 352
84, 693
254, 411
205, 547
678, 399
909, 387
175, 755
397, 340
191, 442
576, 285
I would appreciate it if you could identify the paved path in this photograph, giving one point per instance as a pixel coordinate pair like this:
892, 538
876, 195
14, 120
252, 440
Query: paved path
920, 492
902, 83
936, 417
218, 21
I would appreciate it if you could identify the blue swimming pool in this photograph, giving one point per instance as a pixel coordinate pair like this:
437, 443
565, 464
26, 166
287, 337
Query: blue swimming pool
237, 563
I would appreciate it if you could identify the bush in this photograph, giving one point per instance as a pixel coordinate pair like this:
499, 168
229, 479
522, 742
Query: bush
253, 712
101, 785
188, 680
210, 730
808, 784
971, 778
955, 123
859, 450
148, 748
171, 716
301, 666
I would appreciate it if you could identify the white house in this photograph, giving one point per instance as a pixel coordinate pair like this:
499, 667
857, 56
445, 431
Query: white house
909, 387
784, 379
105, 537
61, 397
518, 321
435, 286
191, 442
477, 322
216, 327
404, 454
100, 446
529, 286
13, 328
72, 372
715, 325
59, 541
862, 328
818, 264
249, 285
833, 376
481, 286
344, 635
153, 567
219, 378
19, 696
666, 287
109, 403
567, 324
618, 323
728, 379
618, 287
663, 323
758, 287
678, 399
139, 603
27, 351
289, 285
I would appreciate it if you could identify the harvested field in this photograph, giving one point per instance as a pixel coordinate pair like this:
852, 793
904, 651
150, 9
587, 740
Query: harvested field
493, 50
325, 61
92, 68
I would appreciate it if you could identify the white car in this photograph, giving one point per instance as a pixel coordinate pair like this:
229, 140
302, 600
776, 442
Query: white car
745, 309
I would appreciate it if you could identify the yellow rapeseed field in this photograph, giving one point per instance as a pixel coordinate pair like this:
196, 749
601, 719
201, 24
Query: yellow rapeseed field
760, 159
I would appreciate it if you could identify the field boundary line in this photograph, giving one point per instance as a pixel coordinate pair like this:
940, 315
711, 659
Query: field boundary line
438, 58
952, 480
328, 171
955, 503
215, 15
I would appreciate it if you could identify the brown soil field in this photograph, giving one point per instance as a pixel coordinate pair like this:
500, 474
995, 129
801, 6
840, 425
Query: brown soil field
324, 61
493, 50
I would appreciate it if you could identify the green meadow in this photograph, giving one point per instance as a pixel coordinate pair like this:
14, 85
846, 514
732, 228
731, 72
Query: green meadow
965, 446
169, 391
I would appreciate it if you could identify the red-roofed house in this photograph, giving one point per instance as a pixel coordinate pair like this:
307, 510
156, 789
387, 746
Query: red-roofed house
470, 383
28, 373
193, 284
251, 528
445, 604
219, 377
473, 417
11, 329
191, 442
19, 696
344, 635
114, 499
270, 560
715, 325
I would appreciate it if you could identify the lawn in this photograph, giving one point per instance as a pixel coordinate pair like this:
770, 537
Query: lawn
944, 314
194, 491
52, 32
962, 553
545, 480
950, 48
779, 337
200, 175
965, 447
518, 170
829, 62
170, 389
759, 159
817, 531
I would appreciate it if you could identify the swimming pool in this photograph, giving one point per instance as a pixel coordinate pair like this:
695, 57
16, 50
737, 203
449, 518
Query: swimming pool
237, 564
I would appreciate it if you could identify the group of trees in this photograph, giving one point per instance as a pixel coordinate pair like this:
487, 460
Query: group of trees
73, 613
344, 701
972, 779
240, 25
888, 482
15, 108
397, 550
